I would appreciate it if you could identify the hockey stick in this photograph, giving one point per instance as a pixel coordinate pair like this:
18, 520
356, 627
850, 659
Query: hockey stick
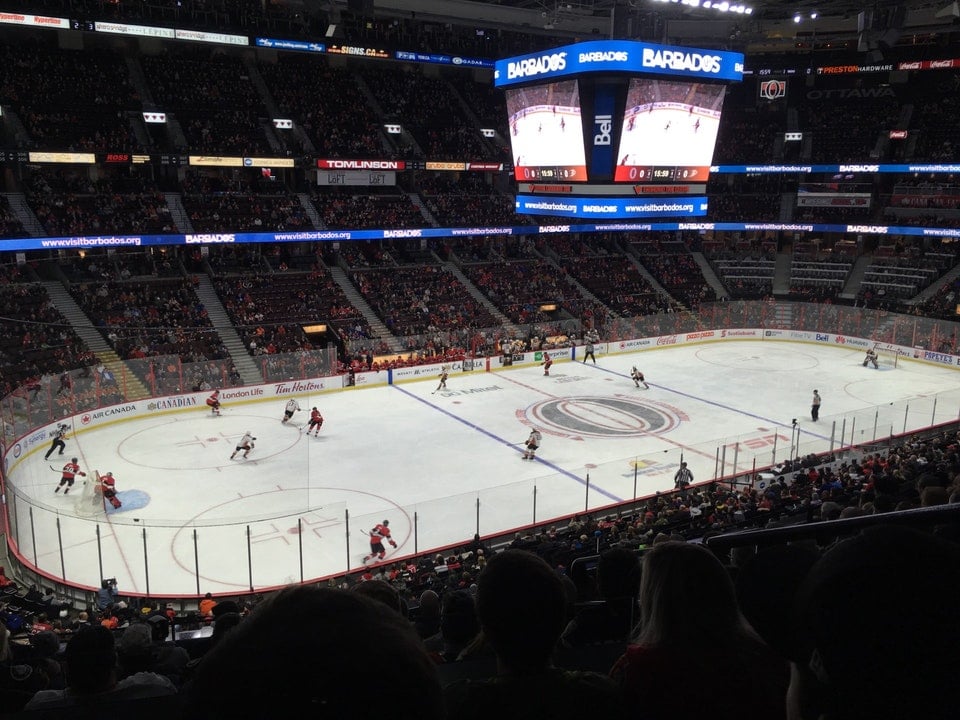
53, 468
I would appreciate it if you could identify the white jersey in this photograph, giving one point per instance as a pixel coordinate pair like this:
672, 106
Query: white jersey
247, 439
534, 439
292, 406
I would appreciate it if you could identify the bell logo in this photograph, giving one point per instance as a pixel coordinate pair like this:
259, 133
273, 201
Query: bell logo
773, 89
603, 124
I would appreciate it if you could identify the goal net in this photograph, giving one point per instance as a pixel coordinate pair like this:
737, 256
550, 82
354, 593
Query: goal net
887, 358
89, 502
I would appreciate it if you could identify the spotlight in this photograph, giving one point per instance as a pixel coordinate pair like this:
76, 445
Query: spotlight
796, 18
813, 15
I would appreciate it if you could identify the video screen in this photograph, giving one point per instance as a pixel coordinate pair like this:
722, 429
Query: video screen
669, 131
546, 133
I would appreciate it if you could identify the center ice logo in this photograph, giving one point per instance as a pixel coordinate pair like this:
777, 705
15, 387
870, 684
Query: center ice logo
609, 417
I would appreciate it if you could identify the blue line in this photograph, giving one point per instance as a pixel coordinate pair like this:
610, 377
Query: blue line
499, 439
719, 405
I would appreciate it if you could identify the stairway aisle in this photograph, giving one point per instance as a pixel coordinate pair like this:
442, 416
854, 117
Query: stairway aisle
246, 366
83, 326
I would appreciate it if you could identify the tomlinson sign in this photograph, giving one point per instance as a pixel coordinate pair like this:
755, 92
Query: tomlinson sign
331, 164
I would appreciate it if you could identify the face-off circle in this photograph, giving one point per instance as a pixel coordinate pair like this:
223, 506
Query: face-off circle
602, 417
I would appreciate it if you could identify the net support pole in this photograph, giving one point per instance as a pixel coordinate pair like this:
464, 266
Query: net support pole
736, 457
416, 533
63, 565
100, 554
933, 414
346, 525
196, 559
146, 561
906, 413
534, 504
876, 418
300, 544
478, 516
635, 471
843, 433
586, 499
249, 558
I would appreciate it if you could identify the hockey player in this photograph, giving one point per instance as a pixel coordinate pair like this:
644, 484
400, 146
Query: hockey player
292, 407
683, 477
108, 486
378, 535
815, 406
533, 442
58, 435
316, 422
871, 358
213, 402
547, 362
245, 445
591, 337
637, 377
443, 379
68, 475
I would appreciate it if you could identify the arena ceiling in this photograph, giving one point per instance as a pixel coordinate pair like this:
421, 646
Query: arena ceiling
770, 26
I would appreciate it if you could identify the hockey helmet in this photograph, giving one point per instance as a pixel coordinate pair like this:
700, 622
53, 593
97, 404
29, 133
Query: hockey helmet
73, 459
386, 522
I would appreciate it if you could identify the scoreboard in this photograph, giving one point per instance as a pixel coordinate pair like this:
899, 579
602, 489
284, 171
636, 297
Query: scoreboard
610, 119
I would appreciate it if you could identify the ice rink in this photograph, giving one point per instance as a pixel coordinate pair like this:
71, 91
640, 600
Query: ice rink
668, 136
443, 465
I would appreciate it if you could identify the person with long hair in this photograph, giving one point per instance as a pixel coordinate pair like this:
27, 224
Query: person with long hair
694, 656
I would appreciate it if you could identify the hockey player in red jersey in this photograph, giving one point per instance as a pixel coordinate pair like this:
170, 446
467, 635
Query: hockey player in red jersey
213, 402
378, 535
547, 362
108, 486
316, 422
69, 474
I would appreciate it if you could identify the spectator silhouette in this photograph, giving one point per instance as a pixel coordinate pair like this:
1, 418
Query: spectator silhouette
91, 661
877, 631
320, 653
694, 645
618, 580
521, 606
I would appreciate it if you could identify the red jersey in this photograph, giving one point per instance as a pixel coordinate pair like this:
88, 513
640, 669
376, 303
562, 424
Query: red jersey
108, 481
71, 470
315, 416
214, 399
380, 533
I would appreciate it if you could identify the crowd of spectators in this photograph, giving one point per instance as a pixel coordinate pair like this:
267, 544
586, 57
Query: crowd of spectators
420, 300
343, 208
10, 225
144, 319
36, 339
678, 273
326, 104
429, 108
70, 202
69, 99
213, 98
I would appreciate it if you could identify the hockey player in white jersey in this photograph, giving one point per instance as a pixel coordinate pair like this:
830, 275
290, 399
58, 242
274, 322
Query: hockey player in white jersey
292, 407
638, 378
244, 445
